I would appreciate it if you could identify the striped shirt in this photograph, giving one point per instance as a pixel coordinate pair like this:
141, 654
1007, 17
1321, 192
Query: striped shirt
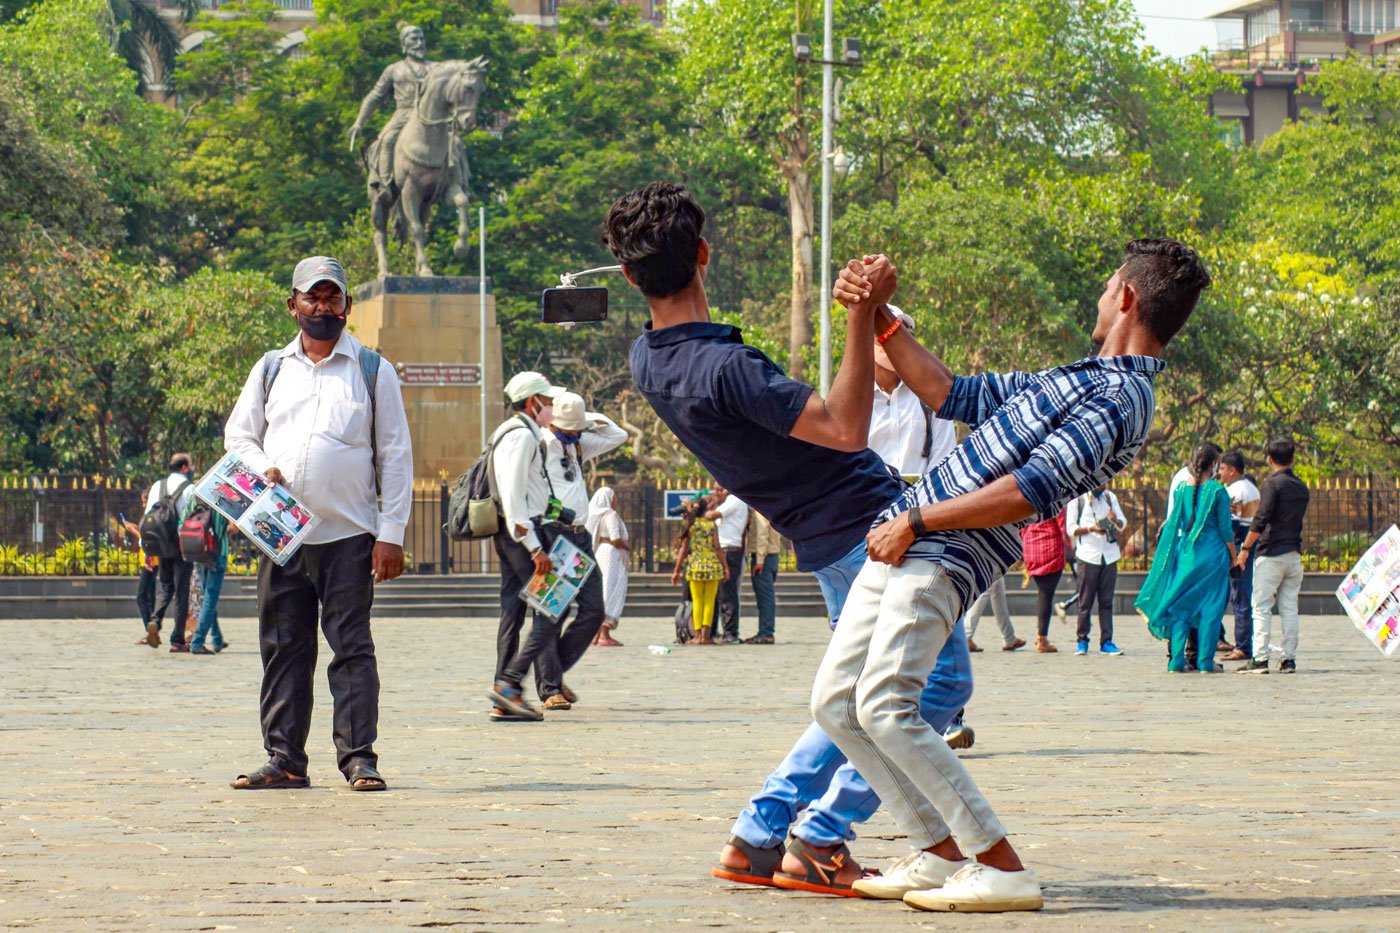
1059, 433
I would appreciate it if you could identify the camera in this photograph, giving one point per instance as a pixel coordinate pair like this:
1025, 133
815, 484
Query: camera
556, 512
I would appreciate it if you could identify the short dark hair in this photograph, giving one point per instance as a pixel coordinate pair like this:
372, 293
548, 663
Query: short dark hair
181, 462
1281, 451
655, 233
1168, 277
1233, 459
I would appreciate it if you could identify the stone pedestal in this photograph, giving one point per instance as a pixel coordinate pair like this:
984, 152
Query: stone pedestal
430, 329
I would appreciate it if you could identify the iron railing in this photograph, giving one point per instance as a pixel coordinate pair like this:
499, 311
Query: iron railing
72, 525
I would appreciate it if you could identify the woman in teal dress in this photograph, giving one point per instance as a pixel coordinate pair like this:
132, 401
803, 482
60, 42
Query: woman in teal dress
1190, 578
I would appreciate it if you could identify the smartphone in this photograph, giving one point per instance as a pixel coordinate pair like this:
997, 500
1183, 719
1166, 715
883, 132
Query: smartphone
580, 305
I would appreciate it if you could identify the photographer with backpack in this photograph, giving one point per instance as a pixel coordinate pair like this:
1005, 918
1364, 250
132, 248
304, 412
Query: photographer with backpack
160, 527
324, 417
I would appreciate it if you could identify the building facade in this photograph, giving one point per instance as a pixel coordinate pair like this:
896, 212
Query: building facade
1282, 44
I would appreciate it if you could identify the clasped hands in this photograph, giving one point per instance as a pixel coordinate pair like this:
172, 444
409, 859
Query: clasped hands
866, 283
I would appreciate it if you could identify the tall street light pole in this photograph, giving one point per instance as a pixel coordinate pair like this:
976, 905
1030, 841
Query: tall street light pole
828, 84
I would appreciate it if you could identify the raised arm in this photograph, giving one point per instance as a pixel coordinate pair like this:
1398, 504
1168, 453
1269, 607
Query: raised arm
841, 421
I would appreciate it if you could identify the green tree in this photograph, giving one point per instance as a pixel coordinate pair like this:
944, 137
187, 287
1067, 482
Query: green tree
86, 100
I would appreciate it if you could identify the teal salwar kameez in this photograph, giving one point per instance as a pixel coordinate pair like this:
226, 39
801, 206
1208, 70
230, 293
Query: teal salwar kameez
1190, 578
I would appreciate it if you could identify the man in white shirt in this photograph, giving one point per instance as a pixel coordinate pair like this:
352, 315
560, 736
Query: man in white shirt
574, 437
1094, 521
903, 430
324, 417
172, 571
1244, 502
732, 513
522, 487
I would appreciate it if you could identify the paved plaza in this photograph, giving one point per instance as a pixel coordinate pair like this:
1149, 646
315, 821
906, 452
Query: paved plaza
1144, 800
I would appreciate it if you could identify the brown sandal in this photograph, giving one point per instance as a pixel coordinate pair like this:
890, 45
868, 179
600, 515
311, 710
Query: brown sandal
821, 869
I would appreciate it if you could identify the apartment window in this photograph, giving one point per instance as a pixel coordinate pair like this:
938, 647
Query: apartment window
1372, 16
1260, 27
1231, 133
1309, 15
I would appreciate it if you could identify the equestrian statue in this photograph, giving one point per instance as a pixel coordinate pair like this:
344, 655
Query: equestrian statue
419, 160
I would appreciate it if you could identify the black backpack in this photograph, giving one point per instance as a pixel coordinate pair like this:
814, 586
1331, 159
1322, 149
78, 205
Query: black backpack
473, 510
160, 527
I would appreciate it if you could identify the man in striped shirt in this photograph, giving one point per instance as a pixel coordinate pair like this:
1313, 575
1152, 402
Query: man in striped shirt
1038, 440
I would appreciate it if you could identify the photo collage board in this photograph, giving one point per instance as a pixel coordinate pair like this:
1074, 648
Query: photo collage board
1371, 593
267, 514
553, 592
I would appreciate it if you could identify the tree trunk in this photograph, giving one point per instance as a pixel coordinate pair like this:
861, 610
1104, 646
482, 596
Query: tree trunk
799, 185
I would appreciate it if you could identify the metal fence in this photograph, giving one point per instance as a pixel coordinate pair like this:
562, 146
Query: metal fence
72, 525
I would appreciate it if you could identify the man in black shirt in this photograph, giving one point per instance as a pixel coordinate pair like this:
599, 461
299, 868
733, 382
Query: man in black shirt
1277, 534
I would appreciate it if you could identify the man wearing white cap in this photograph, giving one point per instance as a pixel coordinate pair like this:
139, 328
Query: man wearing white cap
324, 417
574, 437
522, 487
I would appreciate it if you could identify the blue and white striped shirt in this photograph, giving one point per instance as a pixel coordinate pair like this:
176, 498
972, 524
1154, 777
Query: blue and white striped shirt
1060, 433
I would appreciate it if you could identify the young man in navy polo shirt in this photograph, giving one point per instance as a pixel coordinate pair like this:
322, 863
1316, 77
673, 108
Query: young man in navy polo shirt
801, 461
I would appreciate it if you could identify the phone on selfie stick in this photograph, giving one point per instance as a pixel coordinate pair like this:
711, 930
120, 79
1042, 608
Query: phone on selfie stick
570, 304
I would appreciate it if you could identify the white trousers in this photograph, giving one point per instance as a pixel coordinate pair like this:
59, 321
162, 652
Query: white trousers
1277, 578
866, 698
995, 598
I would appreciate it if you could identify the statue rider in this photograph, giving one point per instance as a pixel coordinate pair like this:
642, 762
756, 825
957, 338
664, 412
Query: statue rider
403, 81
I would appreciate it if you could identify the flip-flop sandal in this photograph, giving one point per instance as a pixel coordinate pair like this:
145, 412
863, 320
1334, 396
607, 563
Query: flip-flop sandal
366, 773
269, 777
762, 864
821, 869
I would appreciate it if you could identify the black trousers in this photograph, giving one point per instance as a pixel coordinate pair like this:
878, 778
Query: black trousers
727, 604
146, 595
516, 570
1097, 583
332, 580
568, 644
1045, 600
174, 584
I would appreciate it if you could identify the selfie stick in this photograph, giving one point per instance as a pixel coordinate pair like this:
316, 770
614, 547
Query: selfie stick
567, 279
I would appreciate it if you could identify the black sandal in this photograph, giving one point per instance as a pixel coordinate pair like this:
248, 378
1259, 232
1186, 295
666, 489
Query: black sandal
269, 777
368, 774
762, 864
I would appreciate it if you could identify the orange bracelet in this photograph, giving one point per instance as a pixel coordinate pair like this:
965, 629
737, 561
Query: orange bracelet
889, 333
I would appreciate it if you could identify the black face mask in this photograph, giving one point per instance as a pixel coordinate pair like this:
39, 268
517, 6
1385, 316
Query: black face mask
321, 326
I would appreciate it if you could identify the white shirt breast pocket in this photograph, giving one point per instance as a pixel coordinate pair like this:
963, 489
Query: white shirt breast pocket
348, 421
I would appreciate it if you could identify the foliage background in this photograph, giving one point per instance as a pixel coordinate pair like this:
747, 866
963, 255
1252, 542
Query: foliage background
1001, 153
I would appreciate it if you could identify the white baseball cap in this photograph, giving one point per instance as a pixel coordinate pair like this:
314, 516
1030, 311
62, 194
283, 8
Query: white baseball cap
904, 318
569, 411
524, 385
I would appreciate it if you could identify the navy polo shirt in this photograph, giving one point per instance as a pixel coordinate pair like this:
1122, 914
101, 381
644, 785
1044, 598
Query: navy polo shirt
734, 409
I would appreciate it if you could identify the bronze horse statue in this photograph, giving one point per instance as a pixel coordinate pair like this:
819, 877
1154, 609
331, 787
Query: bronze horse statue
429, 161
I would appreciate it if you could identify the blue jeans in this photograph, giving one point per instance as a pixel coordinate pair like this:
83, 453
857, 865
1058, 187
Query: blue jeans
765, 594
211, 578
1241, 594
815, 775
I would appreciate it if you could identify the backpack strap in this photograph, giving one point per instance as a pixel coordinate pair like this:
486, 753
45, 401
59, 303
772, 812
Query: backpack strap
516, 424
271, 366
928, 430
369, 368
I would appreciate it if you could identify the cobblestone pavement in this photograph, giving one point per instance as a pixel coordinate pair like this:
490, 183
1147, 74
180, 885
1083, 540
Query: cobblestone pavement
1143, 800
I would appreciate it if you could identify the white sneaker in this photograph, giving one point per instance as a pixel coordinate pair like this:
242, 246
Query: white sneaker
917, 871
978, 888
